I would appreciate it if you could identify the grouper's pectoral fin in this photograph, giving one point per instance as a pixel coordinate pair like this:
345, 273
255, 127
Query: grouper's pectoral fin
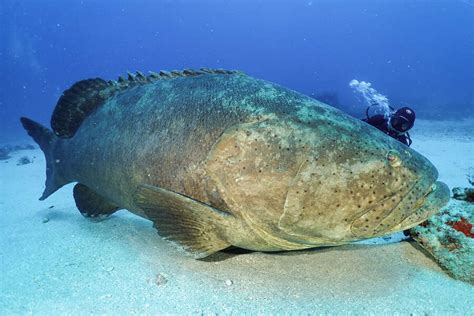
91, 204
197, 227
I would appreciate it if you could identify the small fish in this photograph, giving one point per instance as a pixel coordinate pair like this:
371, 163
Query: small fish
216, 158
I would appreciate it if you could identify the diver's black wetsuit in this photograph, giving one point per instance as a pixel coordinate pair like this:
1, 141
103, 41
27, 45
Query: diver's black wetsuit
381, 123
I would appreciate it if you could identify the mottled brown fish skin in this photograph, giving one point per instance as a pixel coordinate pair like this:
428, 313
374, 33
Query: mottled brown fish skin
293, 172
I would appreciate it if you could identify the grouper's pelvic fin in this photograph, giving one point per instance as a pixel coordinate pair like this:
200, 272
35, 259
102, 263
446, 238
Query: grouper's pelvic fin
195, 226
91, 204
46, 140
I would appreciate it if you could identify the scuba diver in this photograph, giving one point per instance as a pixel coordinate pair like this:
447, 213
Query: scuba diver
396, 125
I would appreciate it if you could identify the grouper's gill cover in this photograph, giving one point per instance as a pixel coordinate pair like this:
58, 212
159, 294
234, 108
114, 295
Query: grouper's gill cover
216, 158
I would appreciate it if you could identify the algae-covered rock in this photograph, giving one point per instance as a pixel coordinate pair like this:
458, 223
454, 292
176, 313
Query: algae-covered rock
449, 237
466, 194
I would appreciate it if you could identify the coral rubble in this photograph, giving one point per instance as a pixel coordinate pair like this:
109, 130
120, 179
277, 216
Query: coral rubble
448, 236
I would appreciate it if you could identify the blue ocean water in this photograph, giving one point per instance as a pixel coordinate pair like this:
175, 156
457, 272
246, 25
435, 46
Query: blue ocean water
417, 53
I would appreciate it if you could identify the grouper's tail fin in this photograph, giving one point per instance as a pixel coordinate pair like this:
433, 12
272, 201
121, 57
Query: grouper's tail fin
46, 140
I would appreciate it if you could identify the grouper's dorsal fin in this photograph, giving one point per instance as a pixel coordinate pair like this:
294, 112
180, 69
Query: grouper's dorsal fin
77, 103
85, 96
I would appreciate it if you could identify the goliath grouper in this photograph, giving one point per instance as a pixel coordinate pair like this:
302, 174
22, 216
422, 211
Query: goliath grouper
216, 158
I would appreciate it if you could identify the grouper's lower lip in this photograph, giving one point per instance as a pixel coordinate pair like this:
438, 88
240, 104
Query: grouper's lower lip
438, 195
402, 217
430, 204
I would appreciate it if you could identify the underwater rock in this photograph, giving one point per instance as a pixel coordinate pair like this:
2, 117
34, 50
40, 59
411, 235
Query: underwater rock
465, 194
24, 161
160, 279
449, 238
5, 150
4, 153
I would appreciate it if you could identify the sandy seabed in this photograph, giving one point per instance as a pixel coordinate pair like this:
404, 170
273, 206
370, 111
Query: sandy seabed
53, 261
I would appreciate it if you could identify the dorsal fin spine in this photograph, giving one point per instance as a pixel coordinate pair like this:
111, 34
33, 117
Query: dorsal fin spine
83, 97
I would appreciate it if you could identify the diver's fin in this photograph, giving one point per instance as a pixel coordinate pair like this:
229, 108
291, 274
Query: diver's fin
46, 140
91, 204
197, 227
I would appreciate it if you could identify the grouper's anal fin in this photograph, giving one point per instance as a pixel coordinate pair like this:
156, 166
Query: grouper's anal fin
91, 204
195, 226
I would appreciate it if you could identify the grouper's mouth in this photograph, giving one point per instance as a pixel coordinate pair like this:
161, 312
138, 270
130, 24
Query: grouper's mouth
404, 214
429, 204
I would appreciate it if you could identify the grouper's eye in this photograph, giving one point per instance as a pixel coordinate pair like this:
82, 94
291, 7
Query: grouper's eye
393, 158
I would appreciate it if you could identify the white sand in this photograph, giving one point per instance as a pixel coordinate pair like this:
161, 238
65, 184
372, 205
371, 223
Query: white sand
70, 265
